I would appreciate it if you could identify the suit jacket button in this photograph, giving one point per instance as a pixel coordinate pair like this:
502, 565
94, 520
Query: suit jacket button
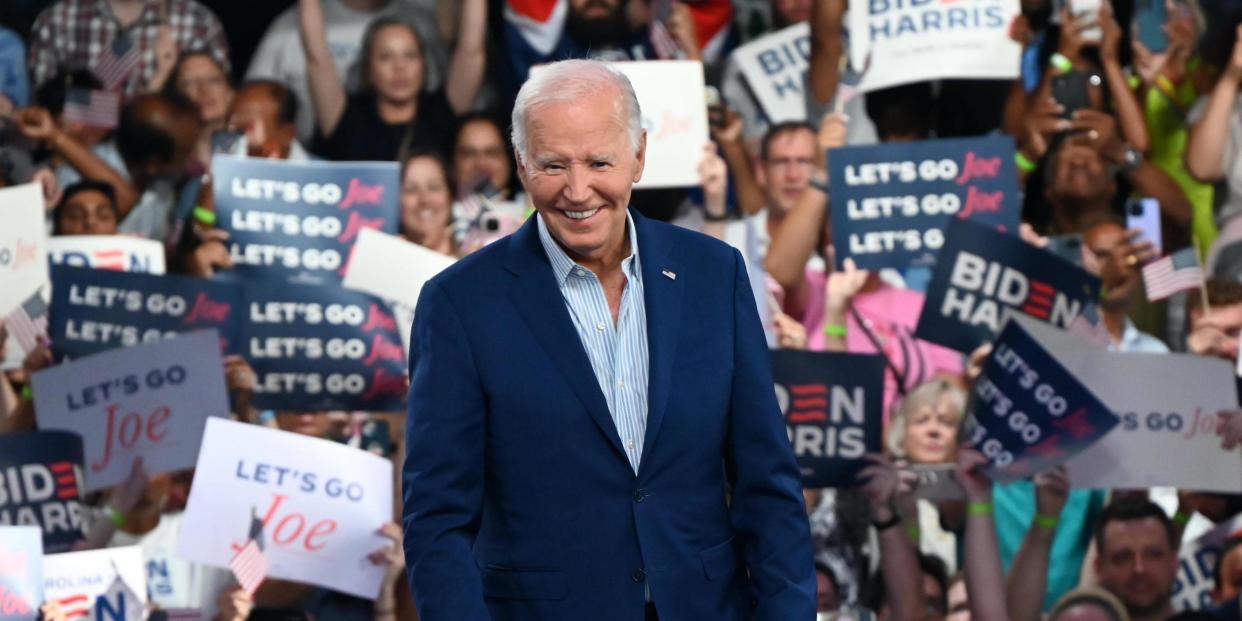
640, 495
639, 575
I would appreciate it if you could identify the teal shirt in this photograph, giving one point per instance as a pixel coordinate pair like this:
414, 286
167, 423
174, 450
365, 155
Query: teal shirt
1015, 510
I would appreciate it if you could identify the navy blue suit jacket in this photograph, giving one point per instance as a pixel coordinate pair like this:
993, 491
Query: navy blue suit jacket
519, 501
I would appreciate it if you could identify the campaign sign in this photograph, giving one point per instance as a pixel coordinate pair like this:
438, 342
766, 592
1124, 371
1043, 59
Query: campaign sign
321, 504
982, 277
670, 94
1028, 412
107, 252
833, 408
322, 348
298, 220
891, 203
1168, 405
392, 268
102, 585
21, 573
95, 310
40, 485
23, 245
148, 401
775, 67
1197, 566
903, 41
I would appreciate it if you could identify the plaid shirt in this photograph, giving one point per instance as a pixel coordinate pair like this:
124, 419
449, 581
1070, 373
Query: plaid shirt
71, 34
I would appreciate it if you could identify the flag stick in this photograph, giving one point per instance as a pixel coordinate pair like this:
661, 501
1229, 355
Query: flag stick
1203, 296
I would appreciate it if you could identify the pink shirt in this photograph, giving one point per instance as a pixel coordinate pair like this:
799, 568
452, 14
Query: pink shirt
891, 315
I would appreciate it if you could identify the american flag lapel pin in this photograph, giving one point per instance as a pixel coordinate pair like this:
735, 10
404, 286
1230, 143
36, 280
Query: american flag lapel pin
670, 273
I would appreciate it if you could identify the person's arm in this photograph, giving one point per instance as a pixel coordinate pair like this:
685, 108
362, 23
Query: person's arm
37, 124
899, 564
714, 180
729, 136
839, 294
681, 27
393, 560
1206, 153
985, 577
766, 503
442, 479
1028, 578
826, 49
327, 91
469, 56
1100, 131
1129, 113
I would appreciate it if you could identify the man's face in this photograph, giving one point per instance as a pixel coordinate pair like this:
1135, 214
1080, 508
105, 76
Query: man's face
1137, 564
1106, 254
786, 174
1218, 329
579, 171
1079, 174
479, 155
257, 113
597, 23
87, 213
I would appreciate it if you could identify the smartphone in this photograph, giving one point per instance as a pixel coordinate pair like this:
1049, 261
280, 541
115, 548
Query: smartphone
1087, 13
715, 107
1149, 19
1071, 91
1144, 214
226, 141
938, 482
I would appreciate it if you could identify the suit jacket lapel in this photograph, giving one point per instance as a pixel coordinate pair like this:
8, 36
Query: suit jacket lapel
663, 284
538, 300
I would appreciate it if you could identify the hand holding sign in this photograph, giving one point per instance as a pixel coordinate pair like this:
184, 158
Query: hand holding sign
1051, 491
971, 473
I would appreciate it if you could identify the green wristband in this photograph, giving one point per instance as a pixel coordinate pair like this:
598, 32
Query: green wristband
116, 517
27, 393
834, 329
1047, 522
1182, 519
976, 507
914, 533
1061, 63
1024, 163
204, 215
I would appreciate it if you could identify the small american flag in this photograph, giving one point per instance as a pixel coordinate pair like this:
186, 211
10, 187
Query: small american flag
249, 567
118, 59
28, 322
1175, 273
92, 107
1089, 326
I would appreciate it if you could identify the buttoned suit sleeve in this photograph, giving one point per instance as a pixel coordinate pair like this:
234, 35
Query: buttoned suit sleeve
444, 465
766, 502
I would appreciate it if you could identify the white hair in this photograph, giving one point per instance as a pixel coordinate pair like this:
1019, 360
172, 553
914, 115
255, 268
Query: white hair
570, 80
926, 394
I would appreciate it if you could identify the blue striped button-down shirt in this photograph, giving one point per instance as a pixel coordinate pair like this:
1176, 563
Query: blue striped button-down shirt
618, 353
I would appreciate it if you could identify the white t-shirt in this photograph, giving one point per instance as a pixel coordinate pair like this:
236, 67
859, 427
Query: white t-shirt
171, 581
280, 55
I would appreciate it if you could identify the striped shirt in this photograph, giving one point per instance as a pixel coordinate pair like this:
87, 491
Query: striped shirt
618, 353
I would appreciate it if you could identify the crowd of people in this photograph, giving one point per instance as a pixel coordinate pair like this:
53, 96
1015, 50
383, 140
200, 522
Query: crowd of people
431, 84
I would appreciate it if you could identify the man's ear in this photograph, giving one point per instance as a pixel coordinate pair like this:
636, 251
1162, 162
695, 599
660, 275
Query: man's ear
520, 162
641, 156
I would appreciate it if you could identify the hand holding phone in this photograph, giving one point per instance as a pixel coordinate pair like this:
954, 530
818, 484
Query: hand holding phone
1143, 214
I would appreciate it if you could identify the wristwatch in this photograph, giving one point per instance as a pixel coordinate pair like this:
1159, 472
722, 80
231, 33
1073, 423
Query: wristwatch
887, 524
1131, 159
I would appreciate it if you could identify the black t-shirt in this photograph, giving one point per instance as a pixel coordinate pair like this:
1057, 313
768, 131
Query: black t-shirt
361, 134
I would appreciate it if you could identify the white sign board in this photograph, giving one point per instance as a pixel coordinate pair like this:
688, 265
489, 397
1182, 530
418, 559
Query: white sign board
1167, 405
321, 504
775, 66
389, 267
83, 582
23, 245
108, 252
900, 42
1193, 588
146, 401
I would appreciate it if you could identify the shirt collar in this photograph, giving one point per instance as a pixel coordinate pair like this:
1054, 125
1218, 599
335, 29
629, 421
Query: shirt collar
563, 266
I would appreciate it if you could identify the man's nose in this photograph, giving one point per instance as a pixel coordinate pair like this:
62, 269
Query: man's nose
577, 185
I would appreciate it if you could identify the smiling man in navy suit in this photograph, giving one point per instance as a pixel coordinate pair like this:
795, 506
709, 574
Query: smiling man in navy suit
593, 432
